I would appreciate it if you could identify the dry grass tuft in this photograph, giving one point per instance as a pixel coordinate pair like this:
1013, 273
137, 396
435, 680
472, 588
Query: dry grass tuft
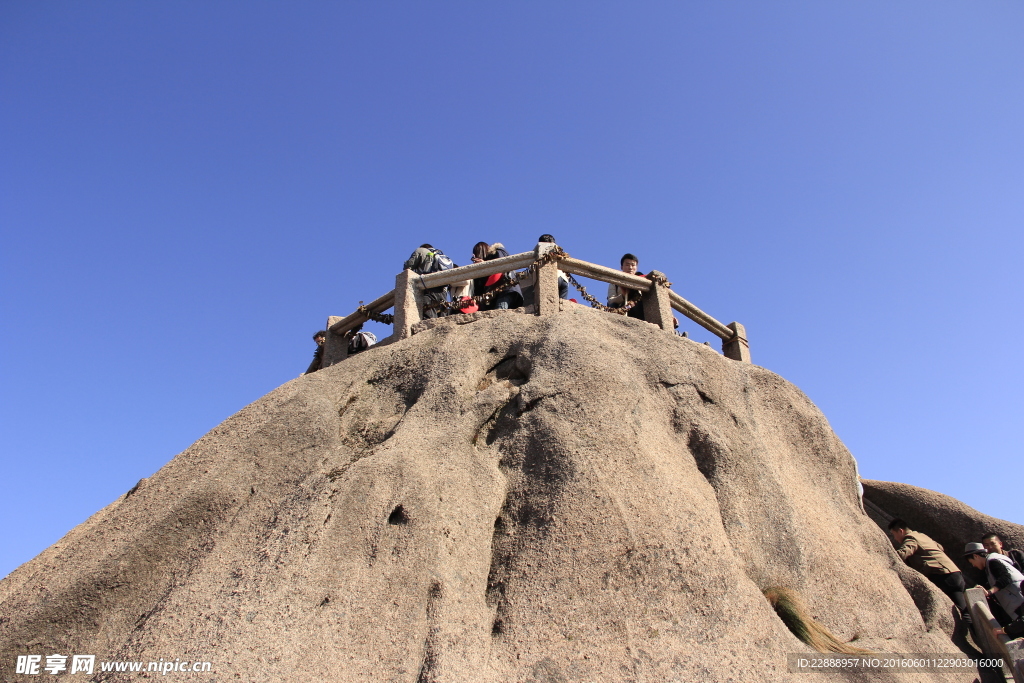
794, 614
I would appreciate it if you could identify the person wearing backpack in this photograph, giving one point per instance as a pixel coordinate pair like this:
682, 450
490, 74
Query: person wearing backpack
426, 260
1005, 583
504, 296
360, 341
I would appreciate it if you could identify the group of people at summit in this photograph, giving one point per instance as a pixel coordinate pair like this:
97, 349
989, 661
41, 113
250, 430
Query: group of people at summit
994, 567
505, 292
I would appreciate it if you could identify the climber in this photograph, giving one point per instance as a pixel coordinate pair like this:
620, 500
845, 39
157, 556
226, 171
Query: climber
622, 296
318, 355
993, 543
563, 279
428, 259
506, 295
1004, 582
926, 556
360, 341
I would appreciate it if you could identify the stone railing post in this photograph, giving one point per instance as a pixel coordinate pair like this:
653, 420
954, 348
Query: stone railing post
545, 285
657, 305
737, 348
336, 346
408, 303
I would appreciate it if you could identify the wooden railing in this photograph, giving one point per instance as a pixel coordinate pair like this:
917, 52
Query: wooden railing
406, 299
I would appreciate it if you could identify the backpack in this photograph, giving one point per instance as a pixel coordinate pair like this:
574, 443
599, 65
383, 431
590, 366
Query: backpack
438, 262
361, 341
1011, 597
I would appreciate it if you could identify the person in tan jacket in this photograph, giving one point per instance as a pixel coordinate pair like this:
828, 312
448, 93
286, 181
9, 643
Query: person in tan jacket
925, 555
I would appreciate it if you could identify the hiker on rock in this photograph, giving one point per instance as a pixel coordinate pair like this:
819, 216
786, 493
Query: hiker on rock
426, 260
926, 556
993, 543
318, 356
619, 297
563, 279
1004, 582
360, 341
505, 294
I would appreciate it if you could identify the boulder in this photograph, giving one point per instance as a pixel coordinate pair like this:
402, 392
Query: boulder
571, 497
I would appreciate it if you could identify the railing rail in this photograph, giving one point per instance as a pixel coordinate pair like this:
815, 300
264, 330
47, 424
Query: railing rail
604, 274
407, 298
498, 265
378, 305
700, 317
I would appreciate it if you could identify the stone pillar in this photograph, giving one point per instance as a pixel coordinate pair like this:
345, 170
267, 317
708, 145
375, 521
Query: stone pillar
737, 348
657, 305
336, 346
545, 286
408, 303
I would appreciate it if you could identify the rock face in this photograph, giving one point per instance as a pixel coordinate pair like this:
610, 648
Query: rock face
574, 497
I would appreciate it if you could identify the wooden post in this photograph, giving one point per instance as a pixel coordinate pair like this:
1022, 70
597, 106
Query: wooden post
408, 303
545, 286
737, 347
336, 346
657, 305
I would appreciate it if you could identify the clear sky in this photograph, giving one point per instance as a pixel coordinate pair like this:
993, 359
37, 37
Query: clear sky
189, 189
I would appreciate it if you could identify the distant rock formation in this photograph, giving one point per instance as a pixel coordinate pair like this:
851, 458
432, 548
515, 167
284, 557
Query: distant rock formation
573, 497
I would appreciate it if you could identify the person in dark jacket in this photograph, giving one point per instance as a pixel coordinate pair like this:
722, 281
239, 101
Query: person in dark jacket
993, 543
507, 297
318, 356
1005, 584
928, 557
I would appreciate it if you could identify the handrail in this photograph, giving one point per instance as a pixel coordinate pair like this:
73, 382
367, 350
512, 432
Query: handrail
498, 265
378, 305
700, 317
604, 274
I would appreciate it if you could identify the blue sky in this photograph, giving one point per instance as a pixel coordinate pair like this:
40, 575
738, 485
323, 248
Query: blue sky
188, 190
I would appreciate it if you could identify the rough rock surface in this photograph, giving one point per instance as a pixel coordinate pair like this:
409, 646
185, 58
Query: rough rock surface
575, 497
945, 519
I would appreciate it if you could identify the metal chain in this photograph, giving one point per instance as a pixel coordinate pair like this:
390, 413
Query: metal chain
386, 318
621, 310
594, 303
